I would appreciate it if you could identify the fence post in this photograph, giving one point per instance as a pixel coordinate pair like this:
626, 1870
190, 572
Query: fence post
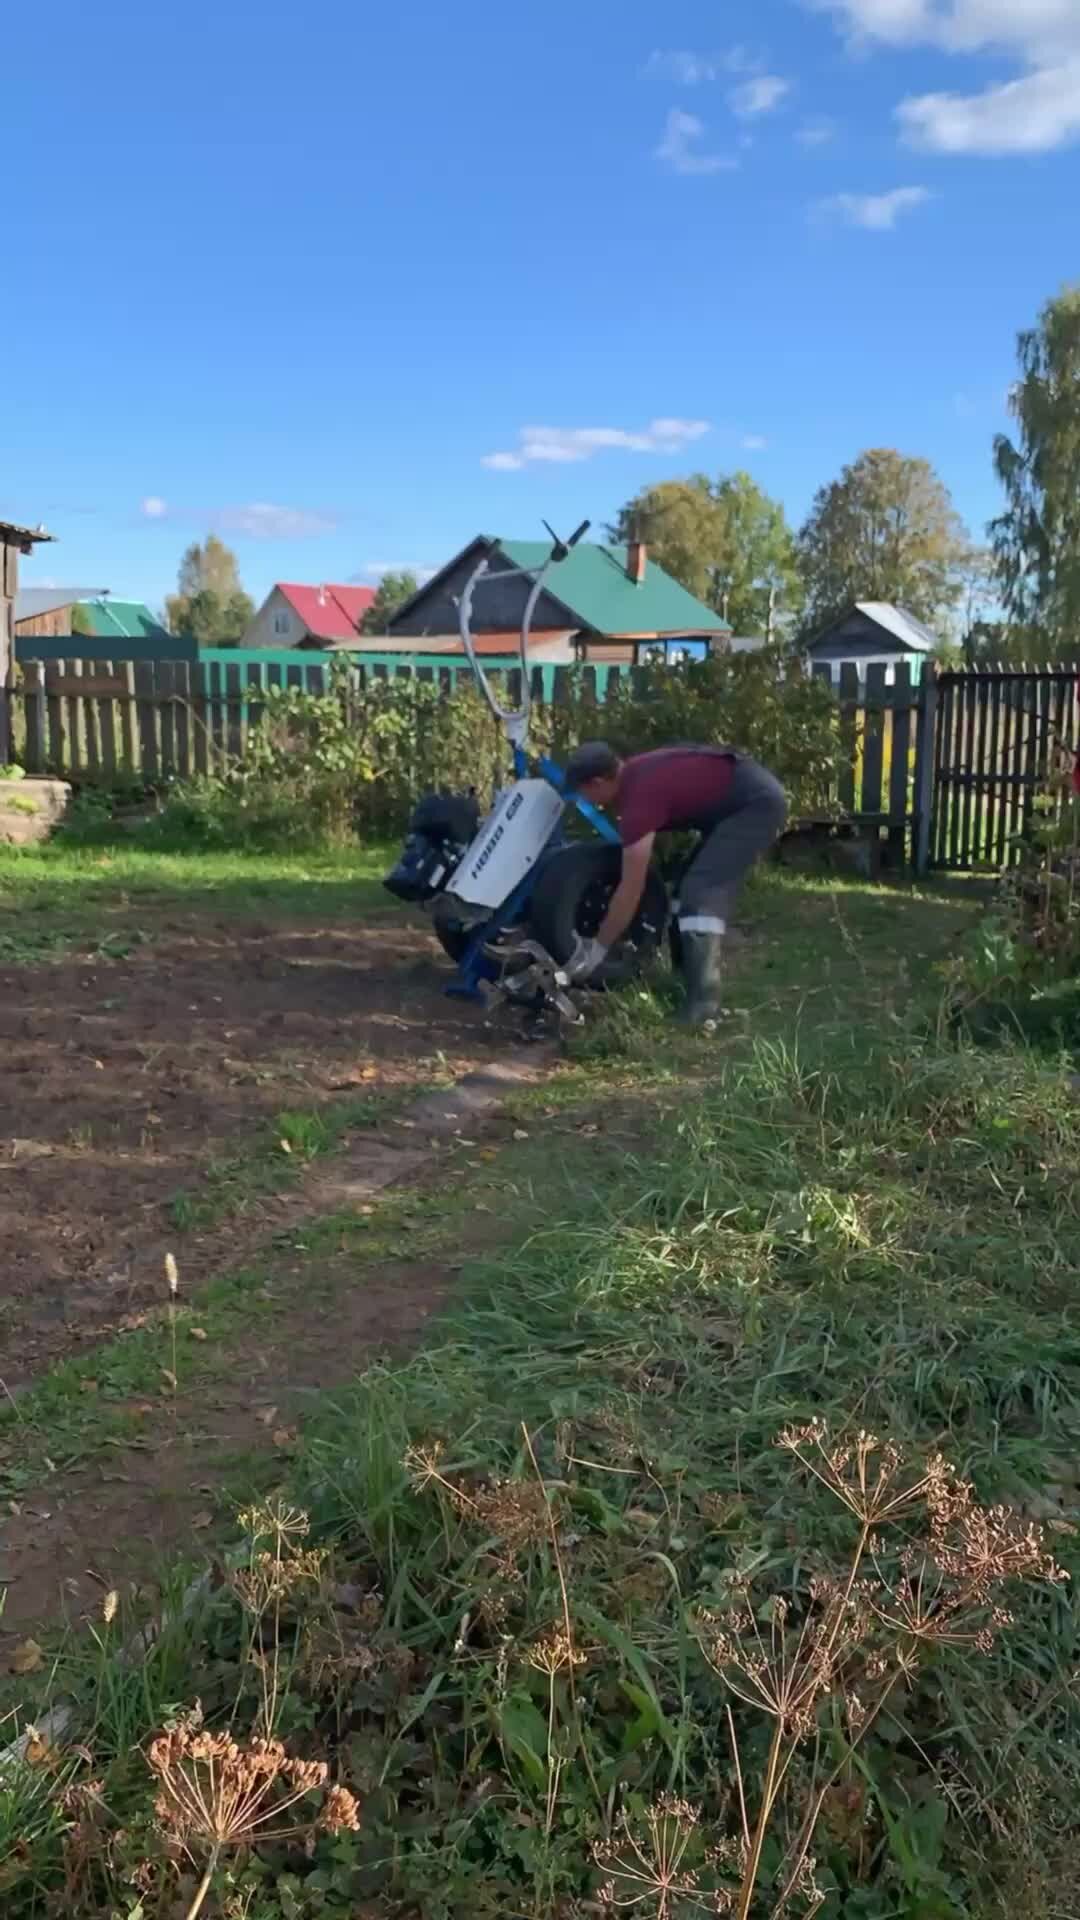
33, 675
925, 725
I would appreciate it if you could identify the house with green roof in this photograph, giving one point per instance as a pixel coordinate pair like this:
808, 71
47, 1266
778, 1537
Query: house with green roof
602, 603
54, 623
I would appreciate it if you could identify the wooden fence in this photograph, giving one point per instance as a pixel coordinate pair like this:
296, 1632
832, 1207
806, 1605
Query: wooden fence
94, 719
948, 771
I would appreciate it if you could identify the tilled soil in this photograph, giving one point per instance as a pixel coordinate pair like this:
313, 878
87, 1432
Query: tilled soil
125, 1081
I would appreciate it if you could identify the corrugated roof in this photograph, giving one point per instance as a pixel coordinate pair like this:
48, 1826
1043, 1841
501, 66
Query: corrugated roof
593, 585
127, 619
32, 602
15, 536
900, 623
489, 646
328, 612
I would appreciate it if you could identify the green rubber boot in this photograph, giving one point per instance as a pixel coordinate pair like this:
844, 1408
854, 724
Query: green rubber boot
703, 972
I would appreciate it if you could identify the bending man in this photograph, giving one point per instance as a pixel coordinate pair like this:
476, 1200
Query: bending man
735, 804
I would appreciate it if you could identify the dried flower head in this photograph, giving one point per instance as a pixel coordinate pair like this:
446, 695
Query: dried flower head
553, 1652
172, 1275
216, 1793
274, 1576
868, 1476
647, 1867
276, 1521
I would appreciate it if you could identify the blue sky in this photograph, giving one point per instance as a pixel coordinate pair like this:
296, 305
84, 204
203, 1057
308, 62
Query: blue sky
350, 283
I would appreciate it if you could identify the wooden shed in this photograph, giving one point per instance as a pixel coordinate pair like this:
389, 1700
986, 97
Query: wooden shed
13, 542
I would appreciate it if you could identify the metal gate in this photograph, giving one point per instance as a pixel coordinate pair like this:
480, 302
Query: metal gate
1002, 741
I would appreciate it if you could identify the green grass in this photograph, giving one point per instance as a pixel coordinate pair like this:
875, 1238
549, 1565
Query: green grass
60, 890
831, 1211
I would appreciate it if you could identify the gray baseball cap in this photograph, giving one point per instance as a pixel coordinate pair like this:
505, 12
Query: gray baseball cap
592, 760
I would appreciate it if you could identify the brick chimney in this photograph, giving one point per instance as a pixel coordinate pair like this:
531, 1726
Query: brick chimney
636, 555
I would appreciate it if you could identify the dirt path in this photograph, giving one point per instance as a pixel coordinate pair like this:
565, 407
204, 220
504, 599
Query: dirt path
132, 1080
111, 1519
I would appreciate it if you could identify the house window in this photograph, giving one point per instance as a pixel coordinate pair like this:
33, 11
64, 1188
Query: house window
281, 623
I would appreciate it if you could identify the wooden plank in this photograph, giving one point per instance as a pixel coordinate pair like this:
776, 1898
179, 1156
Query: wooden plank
89, 718
253, 709
979, 769
873, 745
996, 794
106, 709
93, 684
969, 810
1020, 725
954, 704
165, 688
899, 767
201, 744
216, 714
235, 713
850, 700
132, 762
183, 677
147, 714
34, 752
58, 745
936, 745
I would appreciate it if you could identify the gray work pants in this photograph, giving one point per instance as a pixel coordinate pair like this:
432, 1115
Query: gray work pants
751, 818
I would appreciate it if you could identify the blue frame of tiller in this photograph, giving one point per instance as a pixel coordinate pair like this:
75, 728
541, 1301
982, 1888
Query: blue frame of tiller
475, 965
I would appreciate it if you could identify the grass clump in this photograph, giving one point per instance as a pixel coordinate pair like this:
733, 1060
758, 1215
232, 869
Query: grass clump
578, 1639
574, 1629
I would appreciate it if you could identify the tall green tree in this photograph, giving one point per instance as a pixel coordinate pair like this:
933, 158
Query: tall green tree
726, 540
1037, 537
209, 605
886, 529
392, 592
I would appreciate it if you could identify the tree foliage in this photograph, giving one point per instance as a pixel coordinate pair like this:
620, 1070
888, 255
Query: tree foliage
886, 529
392, 592
1037, 537
726, 541
209, 605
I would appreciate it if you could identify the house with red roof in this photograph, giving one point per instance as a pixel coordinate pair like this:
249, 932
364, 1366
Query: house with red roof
299, 616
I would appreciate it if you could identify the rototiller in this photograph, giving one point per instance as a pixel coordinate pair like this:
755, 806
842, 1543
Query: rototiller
510, 894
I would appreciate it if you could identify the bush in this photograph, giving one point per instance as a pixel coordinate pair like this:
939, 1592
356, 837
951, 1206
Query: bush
1018, 972
761, 702
321, 767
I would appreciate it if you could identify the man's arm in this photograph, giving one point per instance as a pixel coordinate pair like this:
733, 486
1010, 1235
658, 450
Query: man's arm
626, 898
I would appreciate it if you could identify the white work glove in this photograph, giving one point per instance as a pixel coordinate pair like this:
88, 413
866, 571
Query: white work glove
587, 956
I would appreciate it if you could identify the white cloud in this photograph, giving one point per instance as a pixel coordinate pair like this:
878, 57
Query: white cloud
754, 442
690, 69
563, 445
264, 521
877, 212
763, 94
815, 133
680, 149
257, 520
375, 569
1034, 113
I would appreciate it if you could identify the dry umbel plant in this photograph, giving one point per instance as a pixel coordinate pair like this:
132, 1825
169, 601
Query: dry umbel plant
218, 1795
928, 1567
648, 1867
280, 1567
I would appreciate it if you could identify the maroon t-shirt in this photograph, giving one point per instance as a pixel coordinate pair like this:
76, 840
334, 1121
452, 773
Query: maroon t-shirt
673, 787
